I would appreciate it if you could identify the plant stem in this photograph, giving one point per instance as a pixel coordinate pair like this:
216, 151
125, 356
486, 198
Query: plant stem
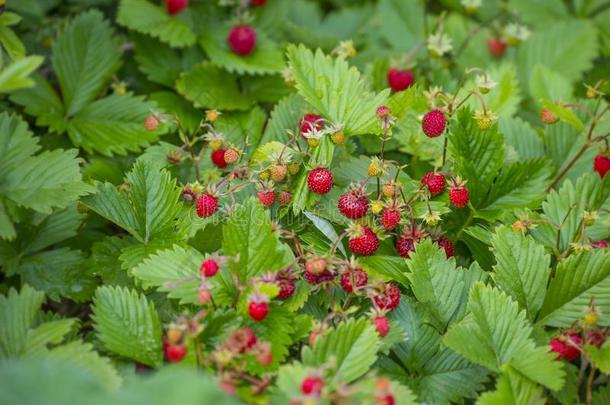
568, 167
589, 391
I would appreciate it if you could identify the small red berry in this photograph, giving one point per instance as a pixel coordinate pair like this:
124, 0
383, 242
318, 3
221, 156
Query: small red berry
284, 197
383, 111
204, 296
385, 399
209, 268
242, 339
596, 338
174, 353
257, 3
496, 47
267, 198
382, 325
287, 288
174, 7
258, 310
601, 164
320, 180
447, 245
151, 123
309, 122
389, 298
264, 356
354, 278
405, 244
548, 117
242, 39
319, 278
364, 242
313, 336
399, 79
459, 196
435, 183
390, 217
354, 204
312, 385
600, 244
218, 158
207, 205
434, 123
565, 346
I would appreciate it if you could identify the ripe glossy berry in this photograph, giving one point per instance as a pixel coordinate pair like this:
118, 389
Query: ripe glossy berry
312, 385
600, 244
390, 217
174, 353
354, 204
218, 158
459, 196
287, 288
566, 346
601, 164
207, 205
320, 180
385, 399
209, 268
433, 123
242, 39
258, 310
496, 47
435, 183
174, 7
389, 298
400, 79
382, 325
318, 278
309, 122
283, 197
354, 278
151, 123
258, 3
267, 198
364, 243
447, 245
548, 117
231, 156
405, 244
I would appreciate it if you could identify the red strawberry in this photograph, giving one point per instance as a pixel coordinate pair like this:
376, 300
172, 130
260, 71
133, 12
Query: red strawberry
363, 241
283, 198
434, 123
399, 79
385, 399
390, 217
242, 39
242, 339
218, 158
596, 338
258, 310
267, 198
389, 298
207, 204
257, 3
383, 111
458, 194
435, 183
151, 123
209, 268
354, 204
320, 180
287, 288
174, 7
600, 244
174, 353
601, 164
382, 325
309, 121
565, 346
496, 47
353, 278
312, 385
405, 244
447, 245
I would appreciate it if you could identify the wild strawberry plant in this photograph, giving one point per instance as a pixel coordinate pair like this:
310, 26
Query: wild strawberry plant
304, 202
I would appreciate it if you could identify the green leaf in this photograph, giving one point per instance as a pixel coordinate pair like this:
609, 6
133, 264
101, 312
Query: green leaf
389, 268
51, 179
522, 268
127, 324
352, 345
85, 357
578, 279
503, 99
174, 271
148, 210
16, 75
335, 90
207, 85
578, 45
265, 58
403, 23
248, 236
85, 56
513, 389
496, 334
600, 356
327, 229
545, 83
46, 333
520, 136
146, 18
277, 328
113, 125
284, 117
42, 102
17, 312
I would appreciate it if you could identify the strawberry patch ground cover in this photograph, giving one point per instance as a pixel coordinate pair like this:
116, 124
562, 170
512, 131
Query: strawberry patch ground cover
304, 202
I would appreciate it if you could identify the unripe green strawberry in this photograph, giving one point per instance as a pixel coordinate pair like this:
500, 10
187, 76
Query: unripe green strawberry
548, 117
231, 155
338, 138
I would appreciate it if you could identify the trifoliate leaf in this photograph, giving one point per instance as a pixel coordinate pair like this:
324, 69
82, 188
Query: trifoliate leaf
17, 312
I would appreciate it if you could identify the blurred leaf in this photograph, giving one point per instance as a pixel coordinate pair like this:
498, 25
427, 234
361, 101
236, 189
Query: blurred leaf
15, 75
546, 84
